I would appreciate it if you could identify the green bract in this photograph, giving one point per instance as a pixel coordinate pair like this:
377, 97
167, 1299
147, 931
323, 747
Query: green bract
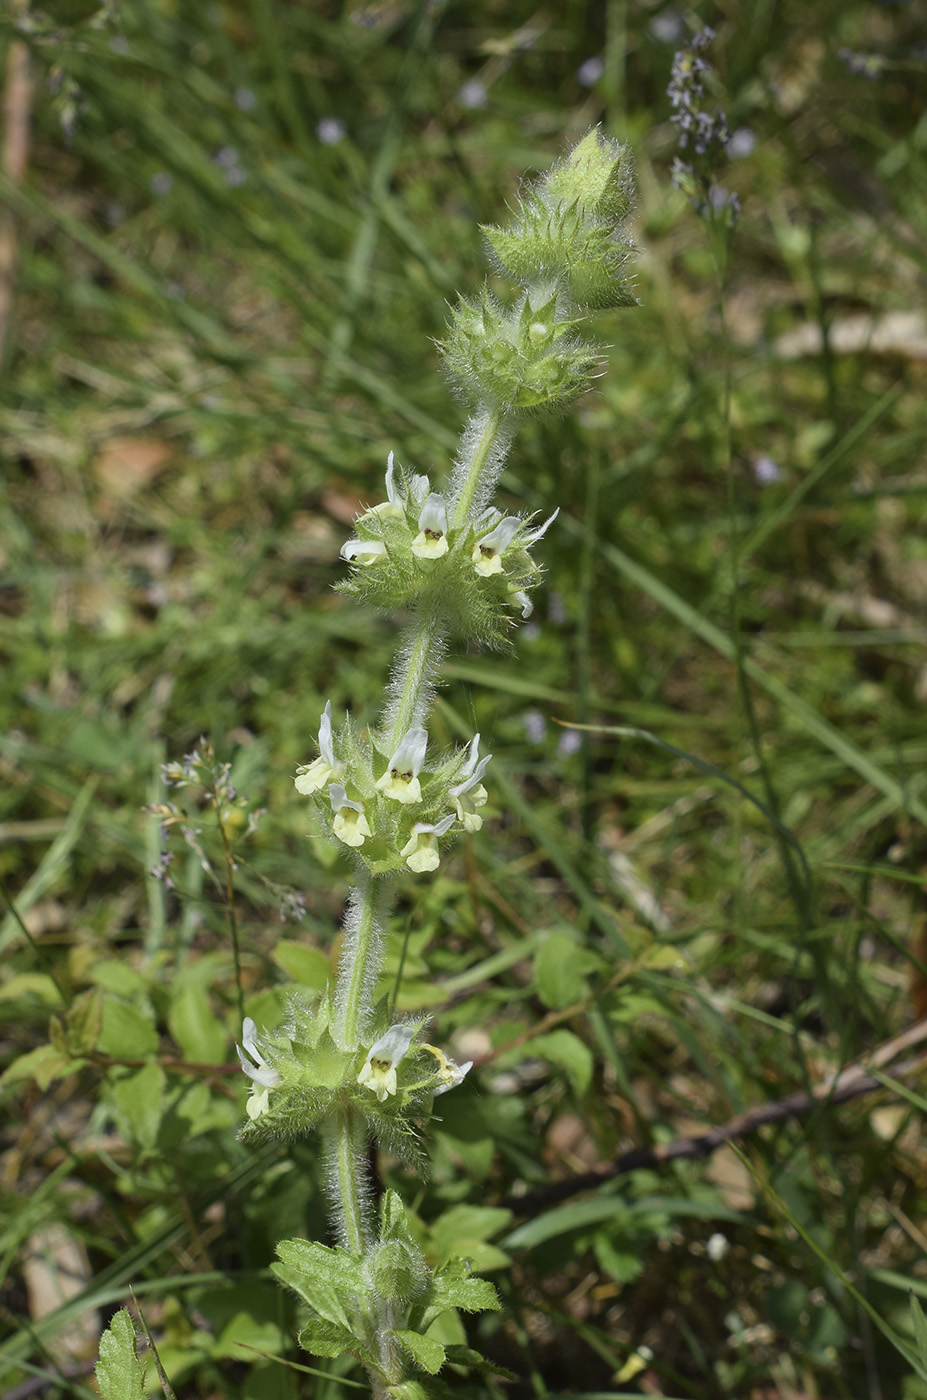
524, 358
301, 1072
569, 249
398, 566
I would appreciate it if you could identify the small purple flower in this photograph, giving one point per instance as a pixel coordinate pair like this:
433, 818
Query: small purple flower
330, 130
473, 95
535, 726
589, 73
766, 470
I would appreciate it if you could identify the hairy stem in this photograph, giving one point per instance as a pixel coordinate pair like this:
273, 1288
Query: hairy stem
416, 665
418, 658
482, 452
361, 956
352, 1195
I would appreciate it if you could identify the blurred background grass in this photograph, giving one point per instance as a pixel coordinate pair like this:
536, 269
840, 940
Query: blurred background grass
232, 246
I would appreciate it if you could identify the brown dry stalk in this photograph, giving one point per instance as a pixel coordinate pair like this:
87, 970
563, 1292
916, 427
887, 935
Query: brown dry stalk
14, 158
850, 1083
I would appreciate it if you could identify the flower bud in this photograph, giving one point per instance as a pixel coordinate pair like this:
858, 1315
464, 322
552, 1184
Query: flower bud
597, 175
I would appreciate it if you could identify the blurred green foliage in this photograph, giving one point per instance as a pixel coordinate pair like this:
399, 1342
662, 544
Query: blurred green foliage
233, 246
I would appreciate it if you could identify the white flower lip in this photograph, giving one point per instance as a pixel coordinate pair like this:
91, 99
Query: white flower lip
472, 771
448, 1074
400, 781
378, 1072
350, 824
487, 552
434, 515
312, 776
391, 494
260, 1071
325, 735
452, 1075
394, 505
421, 850
363, 551
431, 540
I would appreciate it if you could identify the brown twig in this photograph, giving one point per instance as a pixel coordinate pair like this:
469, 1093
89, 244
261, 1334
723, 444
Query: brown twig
850, 1083
14, 157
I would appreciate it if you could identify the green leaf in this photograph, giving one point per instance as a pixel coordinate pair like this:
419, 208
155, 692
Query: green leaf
396, 1270
140, 1098
37, 986
119, 1372
474, 1361
324, 1338
454, 1286
126, 1033
58, 1035
394, 1220
309, 966
428, 1353
44, 1064
577, 1215
623, 1265
84, 1021
920, 1328
559, 968
569, 1053
199, 1033
116, 977
322, 1277
462, 1231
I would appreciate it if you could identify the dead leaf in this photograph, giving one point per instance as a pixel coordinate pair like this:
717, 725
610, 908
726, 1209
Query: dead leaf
127, 464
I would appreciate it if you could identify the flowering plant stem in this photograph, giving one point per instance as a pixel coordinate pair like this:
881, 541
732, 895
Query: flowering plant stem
371, 895
458, 569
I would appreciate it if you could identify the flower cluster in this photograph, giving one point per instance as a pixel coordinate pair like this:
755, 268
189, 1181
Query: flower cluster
702, 130
406, 554
387, 806
300, 1075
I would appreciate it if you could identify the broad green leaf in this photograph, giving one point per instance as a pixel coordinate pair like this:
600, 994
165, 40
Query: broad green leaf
31, 985
454, 1286
428, 1353
566, 1050
396, 1270
199, 1033
579, 1215
84, 1021
126, 1033
622, 1265
324, 1338
576, 1215
44, 1064
119, 1372
244, 1330
324, 1278
455, 1233
474, 1361
116, 977
140, 1098
309, 966
560, 966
